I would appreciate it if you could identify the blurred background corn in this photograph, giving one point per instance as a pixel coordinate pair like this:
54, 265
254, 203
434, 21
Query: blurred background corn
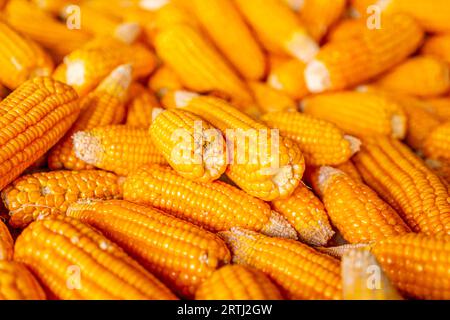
439, 46
17, 283
437, 145
287, 77
6, 243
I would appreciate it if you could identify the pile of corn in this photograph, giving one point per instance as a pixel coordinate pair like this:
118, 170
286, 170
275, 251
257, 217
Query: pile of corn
104, 198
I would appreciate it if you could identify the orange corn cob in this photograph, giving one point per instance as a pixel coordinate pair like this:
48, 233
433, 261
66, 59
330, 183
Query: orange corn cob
438, 46
6, 243
99, 108
40, 26
403, 181
417, 264
86, 67
440, 107
359, 113
419, 76
17, 283
235, 282
179, 253
270, 100
321, 142
306, 213
356, 210
120, 149
319, 15
279, 26
283, 260
265, 167
191, 146
198, 65
347, 29
21, 58
437, 145
32, 119
141, 107
56, 190
288, 78
348, 62
215, 206
227, 29
83, 264
359, 267
163, 80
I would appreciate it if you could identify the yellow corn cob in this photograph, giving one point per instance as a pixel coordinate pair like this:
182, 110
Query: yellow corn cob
403, 181
99, 108
419, 76
32, 119
235, 282
417, 264
347, 29
283, 260
6, 243
227, 29
141, 107
271, 100
319, 15
348, 62
198, 65
359, 113
215, 206
440, 107
56, 190
194, 148
54, 6
321, 142
288, 78
261, 162
356, 210
163, 80
437, 144
17, 283
179, 253
21, 58
40, 26
363, 278
306, 213
120, 149
350, 170
279, 26
83, 264
438, 46
84, 68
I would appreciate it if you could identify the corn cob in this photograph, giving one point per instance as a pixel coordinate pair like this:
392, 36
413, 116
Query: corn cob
283, 261
216, 206
348, 62
21, 58
56, 190
306, 213
350, 170
440, 107
321, 142
54, 6
33, 118
319, 15
17, 283
359, 113
179, 253
346, 29
437, 144
6, 243
442, 169
438, 46
419, 76
279, 26
235, 282
417, 264
363, 278
356, 210
198, 65
288, 77
120, 149
163, 80
270, 100
99, 108
404, 182
40, 26
86, 67
141, 107
84, 264
265, 167
191, 146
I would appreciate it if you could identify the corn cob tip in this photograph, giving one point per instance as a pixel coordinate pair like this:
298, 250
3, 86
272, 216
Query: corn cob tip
128, 32
87, 147
274, 81
156, 112
398, 126
233, 241
75, 72
279, 227
339, 251
182, 98
355, 143
323, 176
153, 5
317, 77
283, 177
302, 46
433, 163
120, 78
